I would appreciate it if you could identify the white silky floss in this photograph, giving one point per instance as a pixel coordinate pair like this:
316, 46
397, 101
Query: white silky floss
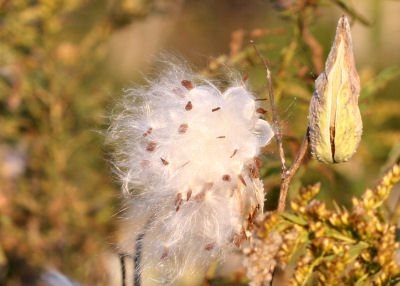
186, 154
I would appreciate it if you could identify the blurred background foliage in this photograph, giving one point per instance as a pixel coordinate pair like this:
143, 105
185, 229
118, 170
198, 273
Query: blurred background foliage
62, 61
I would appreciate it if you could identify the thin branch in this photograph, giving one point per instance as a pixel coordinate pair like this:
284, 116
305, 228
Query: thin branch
345, 6
292, 171
287, 175
317, 51
278, 137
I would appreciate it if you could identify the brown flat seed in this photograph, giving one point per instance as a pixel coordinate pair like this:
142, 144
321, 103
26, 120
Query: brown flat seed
188, 106
221, 137
188, 84
261, 110
165, 253
226, 177
254, 172
246, 76
165, 162
148, 132
252, 217
151, 146
188, 195
209, 246
237, 240
255, 212
242, 179
257, 162
215, 109
234, 153
244, 235
178, 201
178, 198
182, 128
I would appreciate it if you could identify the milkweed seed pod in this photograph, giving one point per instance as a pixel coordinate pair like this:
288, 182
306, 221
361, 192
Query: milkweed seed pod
334, 119
186, 154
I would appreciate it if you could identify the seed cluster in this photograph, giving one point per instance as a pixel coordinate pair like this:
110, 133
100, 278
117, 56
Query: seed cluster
186, 154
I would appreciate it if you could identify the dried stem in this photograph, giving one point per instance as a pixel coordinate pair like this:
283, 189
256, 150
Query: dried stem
287, 175
393, 215
353, 13
123, 268
292, 171
137, 265
278, 138
137, 278
316, 49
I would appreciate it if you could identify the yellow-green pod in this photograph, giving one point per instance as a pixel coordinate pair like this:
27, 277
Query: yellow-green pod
334, 117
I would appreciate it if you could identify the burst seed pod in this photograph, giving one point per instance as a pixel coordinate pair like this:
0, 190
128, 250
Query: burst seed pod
184, 151
334, 117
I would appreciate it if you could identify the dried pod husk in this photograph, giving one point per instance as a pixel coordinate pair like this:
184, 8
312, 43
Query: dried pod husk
334, 117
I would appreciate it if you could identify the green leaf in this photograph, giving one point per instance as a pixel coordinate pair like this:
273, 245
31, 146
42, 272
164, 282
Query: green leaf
335, 234
293, 218
356, 251
362, 279
379, 82
330, 257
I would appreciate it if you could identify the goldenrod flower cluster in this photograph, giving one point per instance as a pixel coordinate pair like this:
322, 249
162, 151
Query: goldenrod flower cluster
329, 247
